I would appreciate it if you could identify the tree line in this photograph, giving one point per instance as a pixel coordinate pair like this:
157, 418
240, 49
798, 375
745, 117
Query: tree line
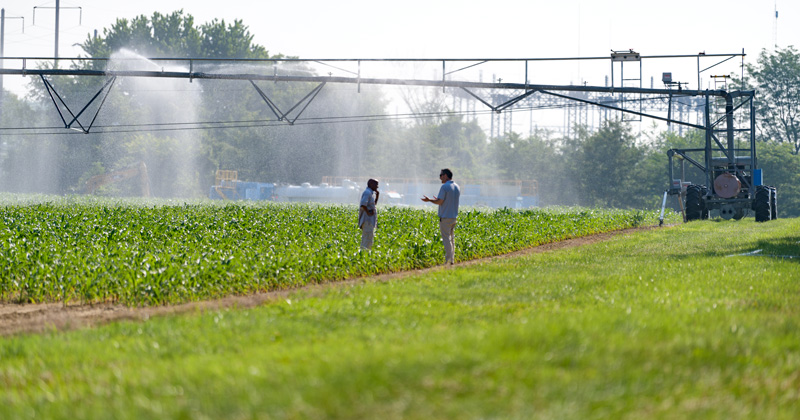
609, 167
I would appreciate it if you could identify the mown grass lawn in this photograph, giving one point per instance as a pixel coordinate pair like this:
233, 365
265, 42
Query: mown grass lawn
671, 323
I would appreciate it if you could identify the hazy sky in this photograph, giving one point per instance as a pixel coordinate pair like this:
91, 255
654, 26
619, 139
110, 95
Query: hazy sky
440, 28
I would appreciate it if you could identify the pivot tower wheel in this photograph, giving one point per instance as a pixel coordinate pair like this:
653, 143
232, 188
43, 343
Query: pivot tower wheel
762, 204
695, 208
773, 203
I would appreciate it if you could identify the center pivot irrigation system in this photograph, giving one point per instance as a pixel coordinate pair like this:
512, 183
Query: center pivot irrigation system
732, 186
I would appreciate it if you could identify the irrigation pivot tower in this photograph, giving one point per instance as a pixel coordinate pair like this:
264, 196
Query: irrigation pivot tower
732, 181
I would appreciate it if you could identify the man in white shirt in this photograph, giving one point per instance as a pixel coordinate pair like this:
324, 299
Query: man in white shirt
447, 201
368, 214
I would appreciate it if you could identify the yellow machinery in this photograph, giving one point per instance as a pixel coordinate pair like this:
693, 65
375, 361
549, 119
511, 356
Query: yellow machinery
137, 170
224, 185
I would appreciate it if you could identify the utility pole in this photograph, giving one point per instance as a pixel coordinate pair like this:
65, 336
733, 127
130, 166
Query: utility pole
58, 8
775, 27
58, 13
2, 46
2, 55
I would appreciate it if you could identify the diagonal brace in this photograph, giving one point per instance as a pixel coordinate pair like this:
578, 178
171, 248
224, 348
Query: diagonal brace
310, 97
683, 154
512, 101
283, 116
504, 105
270, 104
490, 106
51, 90
719, 121
629, 111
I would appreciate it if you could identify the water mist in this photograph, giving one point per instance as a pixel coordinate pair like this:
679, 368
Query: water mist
155, 107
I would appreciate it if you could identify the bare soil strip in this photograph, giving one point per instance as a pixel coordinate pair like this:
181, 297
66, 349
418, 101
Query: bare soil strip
45, 317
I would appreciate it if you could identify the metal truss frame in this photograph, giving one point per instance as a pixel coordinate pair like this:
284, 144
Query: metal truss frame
527, 89
519, 91
459, 65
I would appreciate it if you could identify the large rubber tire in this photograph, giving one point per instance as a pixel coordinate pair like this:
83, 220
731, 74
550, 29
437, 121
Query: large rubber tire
694, 203
773, 203
704, 212
762, 204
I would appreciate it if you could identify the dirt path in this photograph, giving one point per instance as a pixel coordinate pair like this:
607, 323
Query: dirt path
37, 318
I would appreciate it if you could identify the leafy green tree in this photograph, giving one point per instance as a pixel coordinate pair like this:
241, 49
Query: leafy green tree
603, 164
534, 158
173, 35
27, 162
231, 41
421, 149
650, 174
776, 76
434, 139
781, 169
